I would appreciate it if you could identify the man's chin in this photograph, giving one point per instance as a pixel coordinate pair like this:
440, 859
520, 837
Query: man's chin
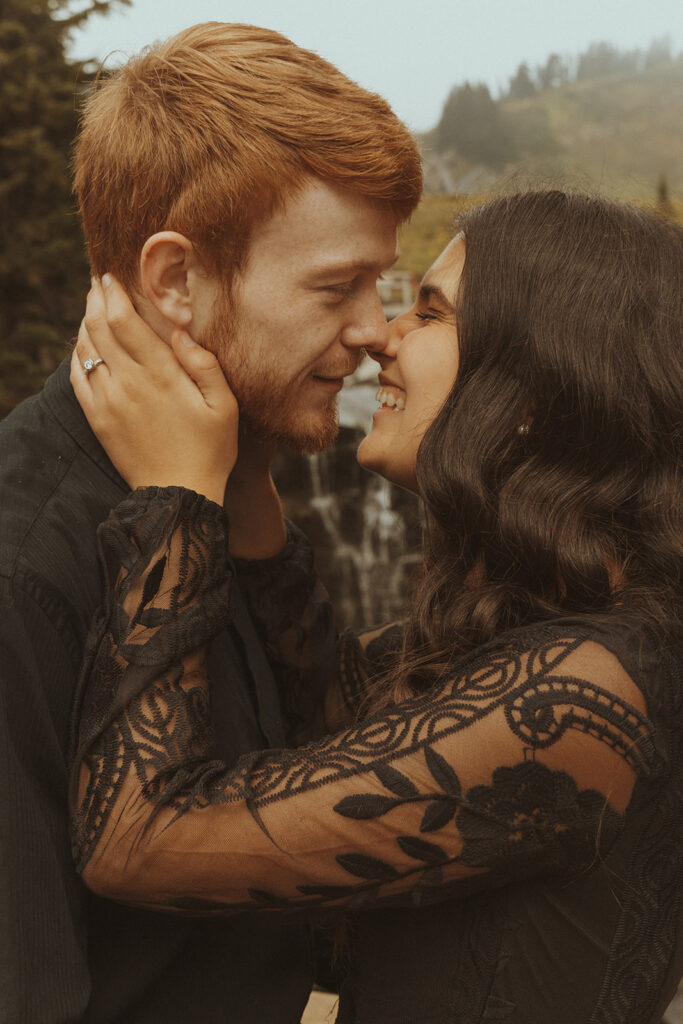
309, 444
307, 436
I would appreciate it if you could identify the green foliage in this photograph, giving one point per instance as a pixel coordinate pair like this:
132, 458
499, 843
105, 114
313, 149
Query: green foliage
663, 199
43, 269
471, 124
429, 230
521, 84
529, 124
658, 55
606, 119
601, 59
554, 73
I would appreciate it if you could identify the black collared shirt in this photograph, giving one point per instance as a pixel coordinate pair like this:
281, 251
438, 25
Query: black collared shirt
65, 955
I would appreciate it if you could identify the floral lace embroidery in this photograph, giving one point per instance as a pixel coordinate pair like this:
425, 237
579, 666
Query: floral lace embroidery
145, 742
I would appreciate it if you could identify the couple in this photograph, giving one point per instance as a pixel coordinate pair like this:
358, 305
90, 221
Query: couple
492, 797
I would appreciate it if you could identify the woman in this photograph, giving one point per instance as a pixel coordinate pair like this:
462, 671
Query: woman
504, 825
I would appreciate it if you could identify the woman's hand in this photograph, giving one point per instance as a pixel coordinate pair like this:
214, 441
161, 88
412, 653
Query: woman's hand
165, 416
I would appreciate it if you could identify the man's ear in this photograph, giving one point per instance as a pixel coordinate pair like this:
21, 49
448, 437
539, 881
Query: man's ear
166, 262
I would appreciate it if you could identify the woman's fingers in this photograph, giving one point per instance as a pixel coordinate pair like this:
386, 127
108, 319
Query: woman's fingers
116, 330
205, 371
80, 384
96, 339
88, 354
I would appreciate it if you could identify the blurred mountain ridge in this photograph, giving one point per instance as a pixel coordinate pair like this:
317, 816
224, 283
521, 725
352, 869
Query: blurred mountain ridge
621, 132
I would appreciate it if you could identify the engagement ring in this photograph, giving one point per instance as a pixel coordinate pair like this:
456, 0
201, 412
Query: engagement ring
91, 364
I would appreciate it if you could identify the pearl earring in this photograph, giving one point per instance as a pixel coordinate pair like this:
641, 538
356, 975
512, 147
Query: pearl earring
523, 430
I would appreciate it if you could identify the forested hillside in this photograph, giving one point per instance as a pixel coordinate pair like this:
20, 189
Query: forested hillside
607, 119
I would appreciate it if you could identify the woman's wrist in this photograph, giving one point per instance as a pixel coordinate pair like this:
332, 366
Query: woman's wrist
210, 489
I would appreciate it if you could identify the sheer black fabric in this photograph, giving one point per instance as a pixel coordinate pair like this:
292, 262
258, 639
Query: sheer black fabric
65, 954
516, 772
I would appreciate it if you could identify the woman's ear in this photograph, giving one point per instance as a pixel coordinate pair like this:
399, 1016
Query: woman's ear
166, 260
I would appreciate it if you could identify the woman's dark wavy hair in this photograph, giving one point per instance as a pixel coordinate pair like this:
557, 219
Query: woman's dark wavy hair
569, 319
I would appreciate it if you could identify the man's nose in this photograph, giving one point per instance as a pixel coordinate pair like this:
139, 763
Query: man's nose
388, 345
369, 329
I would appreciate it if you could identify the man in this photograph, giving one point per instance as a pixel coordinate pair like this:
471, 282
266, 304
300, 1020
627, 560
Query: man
244, 189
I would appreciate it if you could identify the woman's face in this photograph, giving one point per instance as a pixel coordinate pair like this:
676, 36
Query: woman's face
419, 364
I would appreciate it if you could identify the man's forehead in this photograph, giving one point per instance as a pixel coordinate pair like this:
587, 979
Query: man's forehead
329, 228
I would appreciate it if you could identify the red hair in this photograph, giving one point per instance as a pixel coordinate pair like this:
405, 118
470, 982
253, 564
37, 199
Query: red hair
207, 133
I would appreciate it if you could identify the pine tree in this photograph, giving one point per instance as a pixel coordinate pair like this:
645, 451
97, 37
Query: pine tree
664, 204
554, 73
471, 124
658, 54
521, 84
602, 59
43, 268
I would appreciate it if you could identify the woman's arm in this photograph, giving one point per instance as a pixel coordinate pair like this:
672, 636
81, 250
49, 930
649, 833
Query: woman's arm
521, 761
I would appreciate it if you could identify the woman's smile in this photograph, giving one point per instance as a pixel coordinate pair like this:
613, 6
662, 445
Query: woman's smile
419, 364
391, 397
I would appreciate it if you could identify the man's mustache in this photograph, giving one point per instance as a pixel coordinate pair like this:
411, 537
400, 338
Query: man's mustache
336, 371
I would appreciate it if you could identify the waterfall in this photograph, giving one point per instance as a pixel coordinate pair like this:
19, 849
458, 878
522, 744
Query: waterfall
365, 531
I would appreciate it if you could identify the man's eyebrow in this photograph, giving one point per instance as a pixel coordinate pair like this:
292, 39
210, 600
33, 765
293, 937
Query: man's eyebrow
353, 267
428, 292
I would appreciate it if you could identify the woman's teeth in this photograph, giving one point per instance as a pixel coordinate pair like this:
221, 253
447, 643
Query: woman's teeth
389, 399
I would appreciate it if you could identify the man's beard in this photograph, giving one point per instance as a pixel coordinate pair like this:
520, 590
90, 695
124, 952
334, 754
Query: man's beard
268, 410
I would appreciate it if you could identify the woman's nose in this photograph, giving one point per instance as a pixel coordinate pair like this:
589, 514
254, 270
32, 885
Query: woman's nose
387, 345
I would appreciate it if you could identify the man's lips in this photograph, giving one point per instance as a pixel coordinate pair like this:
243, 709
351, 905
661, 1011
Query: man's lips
334, 378
330, 383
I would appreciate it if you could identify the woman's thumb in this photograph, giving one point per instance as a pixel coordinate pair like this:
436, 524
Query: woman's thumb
203, 367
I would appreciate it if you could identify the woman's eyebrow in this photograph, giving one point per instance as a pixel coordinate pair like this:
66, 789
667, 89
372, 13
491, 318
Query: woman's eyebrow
429, 292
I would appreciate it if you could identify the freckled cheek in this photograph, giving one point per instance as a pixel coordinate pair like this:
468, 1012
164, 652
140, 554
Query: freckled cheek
294, 340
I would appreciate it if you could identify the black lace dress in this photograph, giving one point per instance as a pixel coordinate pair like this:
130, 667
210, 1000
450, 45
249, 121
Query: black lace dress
507, 846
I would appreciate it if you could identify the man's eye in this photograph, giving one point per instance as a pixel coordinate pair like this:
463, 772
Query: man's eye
345, 288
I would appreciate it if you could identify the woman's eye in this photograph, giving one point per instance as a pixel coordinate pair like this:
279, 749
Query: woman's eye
425, 316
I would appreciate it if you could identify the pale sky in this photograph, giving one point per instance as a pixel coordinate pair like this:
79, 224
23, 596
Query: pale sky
411, 53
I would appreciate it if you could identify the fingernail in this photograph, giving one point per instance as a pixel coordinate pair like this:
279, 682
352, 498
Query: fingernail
186, 339
106, 280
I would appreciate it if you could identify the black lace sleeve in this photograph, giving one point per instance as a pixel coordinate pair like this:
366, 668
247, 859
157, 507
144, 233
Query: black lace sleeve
323, 677
167, 578
521, 761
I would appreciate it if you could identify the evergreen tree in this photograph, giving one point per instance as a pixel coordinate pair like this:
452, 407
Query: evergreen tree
664, 204
554, 73
601, 59
521, 84
471, 124
658, 54
43, 268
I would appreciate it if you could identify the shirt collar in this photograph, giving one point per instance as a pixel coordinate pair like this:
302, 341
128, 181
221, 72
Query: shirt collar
63, 405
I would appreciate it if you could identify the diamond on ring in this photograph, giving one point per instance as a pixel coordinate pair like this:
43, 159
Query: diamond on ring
91, 364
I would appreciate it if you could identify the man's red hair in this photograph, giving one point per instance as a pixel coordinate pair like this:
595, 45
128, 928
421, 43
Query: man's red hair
207, 133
